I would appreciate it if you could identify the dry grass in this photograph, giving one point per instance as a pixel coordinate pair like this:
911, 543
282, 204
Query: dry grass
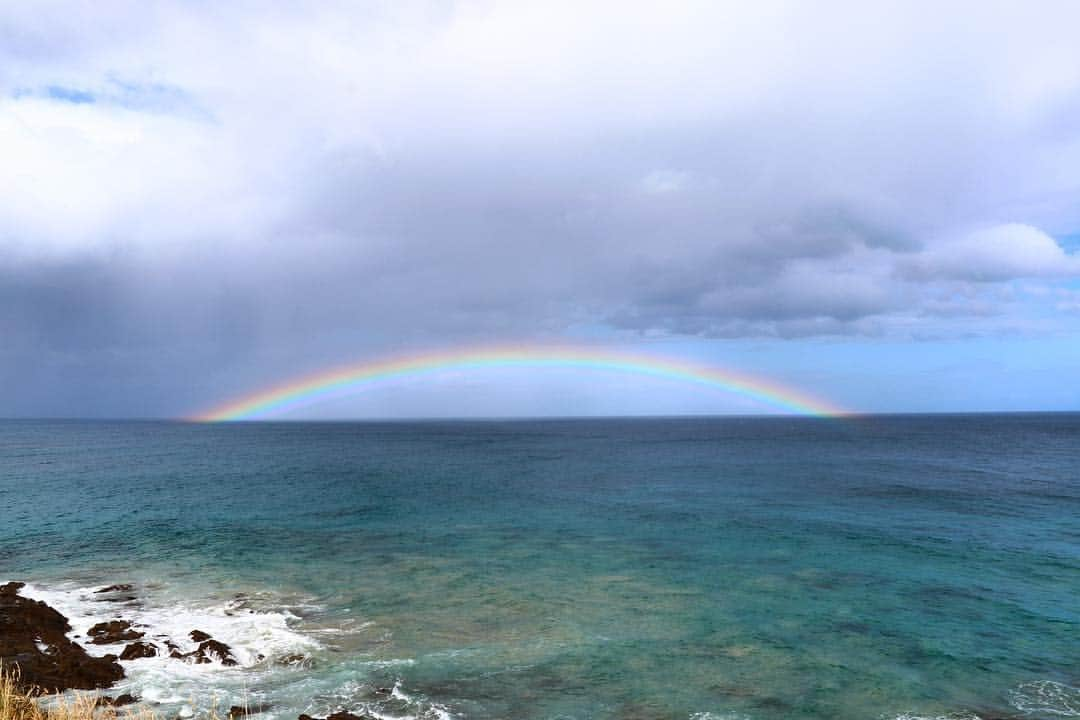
18, 704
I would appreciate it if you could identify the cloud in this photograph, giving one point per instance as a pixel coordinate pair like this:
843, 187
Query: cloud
282, 186
662, 182
996, 254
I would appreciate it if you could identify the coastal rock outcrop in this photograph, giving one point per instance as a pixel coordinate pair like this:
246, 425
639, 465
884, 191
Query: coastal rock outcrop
294, 659
338, 716
33, 637
121, 588
118, 701
208, 651
114, 631
237, 711
211, 649
120, 593
138, 649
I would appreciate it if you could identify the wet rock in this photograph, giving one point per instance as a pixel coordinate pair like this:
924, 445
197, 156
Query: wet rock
350, 716
338, 716
241, 710
118, 701
114, 631
138, 649
379, 693
11, 588
292, 660
198, 636
221, 650
122, 588
33, 636
208, 651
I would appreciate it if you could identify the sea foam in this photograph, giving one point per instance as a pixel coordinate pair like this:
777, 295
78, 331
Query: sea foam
1046, 697
258, 637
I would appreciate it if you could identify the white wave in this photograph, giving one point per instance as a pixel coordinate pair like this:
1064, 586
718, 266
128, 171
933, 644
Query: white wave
1046, 697
160, 695
395, 703
257, 633
260, 631
255, 636
393, 662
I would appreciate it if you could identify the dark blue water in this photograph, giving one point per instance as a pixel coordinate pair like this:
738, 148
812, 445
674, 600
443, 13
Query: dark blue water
768, 568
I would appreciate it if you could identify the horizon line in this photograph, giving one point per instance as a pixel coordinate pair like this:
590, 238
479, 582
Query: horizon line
513, 418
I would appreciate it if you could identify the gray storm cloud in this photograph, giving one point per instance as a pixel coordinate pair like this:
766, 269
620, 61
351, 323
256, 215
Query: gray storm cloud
189, 190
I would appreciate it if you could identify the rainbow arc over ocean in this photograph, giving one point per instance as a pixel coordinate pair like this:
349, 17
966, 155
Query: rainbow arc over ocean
347, 380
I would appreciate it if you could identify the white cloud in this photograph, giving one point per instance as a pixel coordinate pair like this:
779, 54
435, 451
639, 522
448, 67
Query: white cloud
996, 254
491, 167
664, 182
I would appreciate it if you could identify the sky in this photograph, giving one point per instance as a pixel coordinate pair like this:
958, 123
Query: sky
874, 203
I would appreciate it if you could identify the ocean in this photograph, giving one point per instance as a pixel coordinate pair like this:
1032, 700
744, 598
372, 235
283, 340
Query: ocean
624, 569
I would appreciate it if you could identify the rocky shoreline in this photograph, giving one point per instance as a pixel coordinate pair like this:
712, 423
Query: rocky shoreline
33, 639
35, 643
35, 646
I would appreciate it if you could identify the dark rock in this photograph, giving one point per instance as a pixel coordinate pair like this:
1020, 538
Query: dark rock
11, 588
124, 588
292, 660
378, 693
198, 636
207, 652
338, 716
114, 631
223, 652
118, 701
138, 649
349, 716
118, 599
241, 710
33, 637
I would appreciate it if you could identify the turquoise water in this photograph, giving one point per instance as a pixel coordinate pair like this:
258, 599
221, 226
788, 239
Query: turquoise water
757, 568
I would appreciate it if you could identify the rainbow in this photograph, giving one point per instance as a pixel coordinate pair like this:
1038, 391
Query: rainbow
345, 380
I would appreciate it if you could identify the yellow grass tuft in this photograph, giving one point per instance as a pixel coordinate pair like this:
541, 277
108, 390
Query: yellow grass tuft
17, 703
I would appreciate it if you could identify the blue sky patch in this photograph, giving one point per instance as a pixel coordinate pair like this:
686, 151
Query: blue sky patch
70, 95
